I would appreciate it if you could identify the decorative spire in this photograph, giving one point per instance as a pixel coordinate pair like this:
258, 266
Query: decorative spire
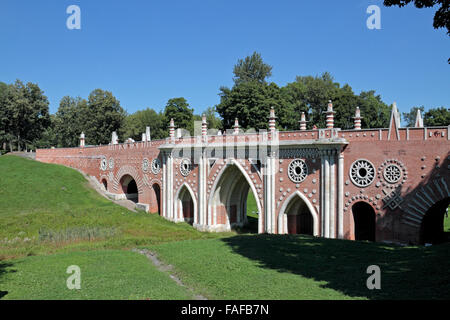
172, 129
236, 126
82, 140
357, 119
147, 133
272, 118
303, 122
144, 137
394, 123
204, 125
330, 115
114, 138
419, 120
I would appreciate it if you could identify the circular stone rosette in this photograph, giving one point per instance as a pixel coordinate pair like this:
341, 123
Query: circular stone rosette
185, 167
156, 166
145, 164
111, 163
103, 164
362, 173
298, 170
392, 172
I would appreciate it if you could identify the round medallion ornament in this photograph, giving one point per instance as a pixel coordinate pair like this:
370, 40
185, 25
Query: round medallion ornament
111, 163
145, 164
392, 173
362, 173
298, 170
103, 164
185, 167
156, 166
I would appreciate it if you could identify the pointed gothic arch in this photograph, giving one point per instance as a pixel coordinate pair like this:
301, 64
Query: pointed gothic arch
292, 203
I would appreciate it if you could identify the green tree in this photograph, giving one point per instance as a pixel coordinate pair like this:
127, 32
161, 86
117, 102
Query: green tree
27, 113
410, 117
375, 113
251, 68
136, 123
70, 121
441, 17
178, 109
437, 117
103, 116
250, 102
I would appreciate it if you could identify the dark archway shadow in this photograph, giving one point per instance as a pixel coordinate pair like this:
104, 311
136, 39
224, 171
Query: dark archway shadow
406, 272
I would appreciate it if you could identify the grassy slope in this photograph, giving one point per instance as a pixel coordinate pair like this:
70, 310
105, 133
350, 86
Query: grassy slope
34, 196
107, 274
302, 267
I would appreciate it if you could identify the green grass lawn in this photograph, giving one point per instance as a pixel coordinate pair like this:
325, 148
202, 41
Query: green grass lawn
302, 267
46, 208
107, 274
50, 218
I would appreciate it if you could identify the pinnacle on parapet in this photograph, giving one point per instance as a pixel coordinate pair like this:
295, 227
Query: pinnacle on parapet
419, 120
204, 125
357, 119
303, 122
330, 115
236, 126
172, 129
272, 118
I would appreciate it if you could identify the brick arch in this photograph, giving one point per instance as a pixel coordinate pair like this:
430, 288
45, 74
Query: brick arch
415, 208
185, 188
282, 216
230, 163
104, 177
131, 171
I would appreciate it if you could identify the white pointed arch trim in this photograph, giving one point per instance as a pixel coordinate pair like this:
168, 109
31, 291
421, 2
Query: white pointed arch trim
194, 200
282, 217
232, 162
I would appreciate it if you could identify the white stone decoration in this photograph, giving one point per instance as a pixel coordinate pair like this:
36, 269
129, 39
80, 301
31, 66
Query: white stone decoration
392, 173
362, 173
145, 164
297, 170
111, 163
103, 164
185, 167
156, 166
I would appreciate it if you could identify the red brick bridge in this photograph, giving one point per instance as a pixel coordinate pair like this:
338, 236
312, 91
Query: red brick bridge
389, 184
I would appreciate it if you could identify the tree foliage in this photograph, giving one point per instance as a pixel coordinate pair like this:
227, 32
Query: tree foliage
136, 123
178, 109
24, 114
441, 17
252, 68
437, 117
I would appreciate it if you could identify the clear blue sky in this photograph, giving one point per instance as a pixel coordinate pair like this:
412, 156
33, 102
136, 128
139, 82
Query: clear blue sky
147, 52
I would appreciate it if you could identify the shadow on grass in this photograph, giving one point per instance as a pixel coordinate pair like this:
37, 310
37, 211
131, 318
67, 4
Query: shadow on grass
4, 270
250, 227
406, 272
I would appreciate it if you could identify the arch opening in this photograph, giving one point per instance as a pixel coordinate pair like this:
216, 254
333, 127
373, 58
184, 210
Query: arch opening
299, 217
435, 225
129, 188
105, 184
233, 202
185, 206
364, 221
157, 191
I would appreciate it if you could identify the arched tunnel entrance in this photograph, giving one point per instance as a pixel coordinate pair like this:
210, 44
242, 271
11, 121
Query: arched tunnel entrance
129, 188
432, 228
299, 218
185, 205
233, 202
364, 221
157, 191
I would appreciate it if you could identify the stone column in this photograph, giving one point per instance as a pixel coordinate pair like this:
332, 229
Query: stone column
269, 194
341, 195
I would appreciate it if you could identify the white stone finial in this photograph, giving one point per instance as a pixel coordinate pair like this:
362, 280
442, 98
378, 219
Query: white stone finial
419, 120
